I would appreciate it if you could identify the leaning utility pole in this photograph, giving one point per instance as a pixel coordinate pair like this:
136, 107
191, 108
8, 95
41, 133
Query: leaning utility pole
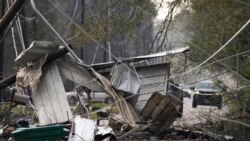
24, 29
107, 52
11, 13
108, 43
1, 47
82, 48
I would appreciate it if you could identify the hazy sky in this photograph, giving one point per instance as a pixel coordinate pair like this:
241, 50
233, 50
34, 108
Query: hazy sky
163, 10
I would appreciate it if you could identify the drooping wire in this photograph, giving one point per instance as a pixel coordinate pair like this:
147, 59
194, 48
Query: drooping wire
13, 33
215, 53
118, 59
73, 16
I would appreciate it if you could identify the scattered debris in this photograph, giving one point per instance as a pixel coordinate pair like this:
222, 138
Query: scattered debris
82, 129
147, 107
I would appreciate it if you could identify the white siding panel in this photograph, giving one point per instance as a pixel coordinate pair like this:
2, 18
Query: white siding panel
152, 79
50, 99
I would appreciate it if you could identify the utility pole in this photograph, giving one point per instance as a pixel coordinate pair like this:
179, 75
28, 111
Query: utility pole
10, 14
108, 43
24, 30
82, 48
107, 55
2, 48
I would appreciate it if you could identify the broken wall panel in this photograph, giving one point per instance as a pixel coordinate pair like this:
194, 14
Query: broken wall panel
84, 129
152, 79
50, 99
151, 88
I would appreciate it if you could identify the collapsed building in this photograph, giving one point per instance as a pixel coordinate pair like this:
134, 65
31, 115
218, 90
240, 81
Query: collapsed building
144, 86
145, 100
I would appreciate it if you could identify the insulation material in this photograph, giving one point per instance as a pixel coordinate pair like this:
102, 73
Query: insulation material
124, 78
49, 97
70, 70
30, 75
128, 114
36, 50
84, 129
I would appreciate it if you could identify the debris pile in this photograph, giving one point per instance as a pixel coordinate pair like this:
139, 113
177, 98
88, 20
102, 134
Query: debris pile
146, 104
39, 83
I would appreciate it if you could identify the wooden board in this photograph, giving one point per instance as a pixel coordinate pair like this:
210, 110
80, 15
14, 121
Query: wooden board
161, 111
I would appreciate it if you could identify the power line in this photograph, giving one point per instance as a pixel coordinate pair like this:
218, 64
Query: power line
73, 16
217, 50
227, 58
118, 58
218, 62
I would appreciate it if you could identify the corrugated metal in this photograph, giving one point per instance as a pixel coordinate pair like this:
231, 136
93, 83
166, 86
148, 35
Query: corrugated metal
36, 50
84, 130
156, 56
68, 69
124, 78
152, 79
50, 99
160, 54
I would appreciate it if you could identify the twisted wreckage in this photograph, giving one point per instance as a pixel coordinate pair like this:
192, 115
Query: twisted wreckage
139, 92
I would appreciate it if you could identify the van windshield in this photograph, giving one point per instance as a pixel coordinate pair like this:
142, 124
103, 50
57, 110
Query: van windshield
205, 85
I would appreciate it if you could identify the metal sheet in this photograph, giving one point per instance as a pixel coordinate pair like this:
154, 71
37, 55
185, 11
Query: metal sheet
68, 69
36, 50
50, 99
100, 66
84, 130
152, 79
156, 55
124, 78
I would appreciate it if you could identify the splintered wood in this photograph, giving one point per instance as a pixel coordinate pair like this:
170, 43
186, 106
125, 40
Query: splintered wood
161, 111
128, 114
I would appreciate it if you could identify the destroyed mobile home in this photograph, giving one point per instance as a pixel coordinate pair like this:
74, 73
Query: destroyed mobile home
138, 91
145, 101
